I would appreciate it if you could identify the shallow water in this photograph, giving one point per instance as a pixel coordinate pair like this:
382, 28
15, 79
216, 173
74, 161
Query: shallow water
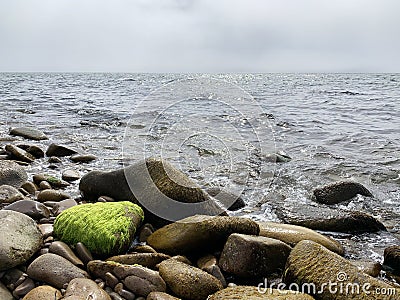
333, 126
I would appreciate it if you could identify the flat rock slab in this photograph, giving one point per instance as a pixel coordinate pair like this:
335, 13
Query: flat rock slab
199, 233
292, 234
29, 133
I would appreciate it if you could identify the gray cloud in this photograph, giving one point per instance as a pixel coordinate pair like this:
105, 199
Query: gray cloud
200, 35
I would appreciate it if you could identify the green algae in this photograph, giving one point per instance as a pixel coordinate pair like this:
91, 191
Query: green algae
104, 228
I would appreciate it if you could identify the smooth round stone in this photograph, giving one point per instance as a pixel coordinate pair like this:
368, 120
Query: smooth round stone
52, 195
145, 231
20, 238
9, 194
70, 175
19, 153
43, 292
33, 209
149, 260
83, 253
82, 158
54, 270
87, 289
28, 133
54, 181
30, 187
44, 185
25, 287
12, 174
111, 280
46, 230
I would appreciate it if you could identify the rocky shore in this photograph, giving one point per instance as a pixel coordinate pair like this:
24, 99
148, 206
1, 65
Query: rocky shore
105, 244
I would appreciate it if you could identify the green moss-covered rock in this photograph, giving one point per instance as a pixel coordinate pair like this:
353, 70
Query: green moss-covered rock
104, 228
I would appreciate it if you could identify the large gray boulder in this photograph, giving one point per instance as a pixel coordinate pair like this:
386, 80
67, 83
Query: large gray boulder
29, 133
20, 238
199, 233
328, 276
12, 174
165, 193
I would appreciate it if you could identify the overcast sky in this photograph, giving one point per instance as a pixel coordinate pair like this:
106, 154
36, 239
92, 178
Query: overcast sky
200, 35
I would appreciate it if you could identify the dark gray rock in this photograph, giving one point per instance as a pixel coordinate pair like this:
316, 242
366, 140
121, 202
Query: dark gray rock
149, 260
349, 222
229, 200
62, 249
28, 133
33, 209
59, 151
54, 270
154, 183
340, 191
20, 239
392, 259
34, 150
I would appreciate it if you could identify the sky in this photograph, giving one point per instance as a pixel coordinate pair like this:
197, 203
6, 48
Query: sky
211, 36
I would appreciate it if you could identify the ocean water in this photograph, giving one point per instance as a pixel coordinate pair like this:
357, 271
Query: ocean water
221, 129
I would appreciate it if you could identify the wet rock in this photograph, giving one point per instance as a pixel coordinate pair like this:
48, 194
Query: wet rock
59, 151
149, 260
140, 280
12, 276
312, 263
12, 174
70, 175
154, 182
111, 280
54, 270
188, 282
5, 293
292, 234
19, 154
253, 256
82, 158
54, 160
118, 220
43, 292
65, 251
59, 207
28, 133
340, 191
53, 181
34, 150
33, 209
369, 267
199, 233
143, 249
52, 195
98, 268
216, 272
46, 230
392, 259
278, 157
145, 231
20, 239
9, 194
44, 185
229, 200
83, 253
24, 288
160, 296
348, 222
206, 261
30, 187
253, 293
87, 289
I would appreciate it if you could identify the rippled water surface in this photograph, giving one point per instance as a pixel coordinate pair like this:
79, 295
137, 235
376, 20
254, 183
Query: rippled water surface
333, 126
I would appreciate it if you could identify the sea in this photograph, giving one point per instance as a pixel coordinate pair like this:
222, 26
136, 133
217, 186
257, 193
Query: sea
226, 130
